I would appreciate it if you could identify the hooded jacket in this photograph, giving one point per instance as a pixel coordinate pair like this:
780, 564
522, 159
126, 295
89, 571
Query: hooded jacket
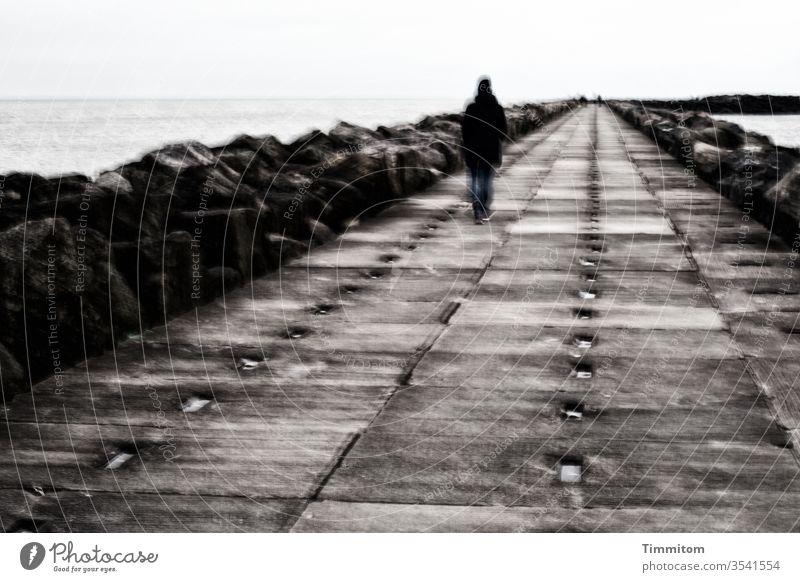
483, 129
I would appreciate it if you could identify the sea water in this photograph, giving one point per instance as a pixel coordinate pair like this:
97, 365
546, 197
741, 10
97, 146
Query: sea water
61, 137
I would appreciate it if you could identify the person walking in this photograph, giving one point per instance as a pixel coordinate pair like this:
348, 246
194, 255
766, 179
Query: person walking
483, 130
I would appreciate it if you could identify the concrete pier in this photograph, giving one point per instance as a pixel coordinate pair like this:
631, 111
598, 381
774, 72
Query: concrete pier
612, 352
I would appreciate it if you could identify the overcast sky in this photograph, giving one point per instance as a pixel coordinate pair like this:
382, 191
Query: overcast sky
405, 48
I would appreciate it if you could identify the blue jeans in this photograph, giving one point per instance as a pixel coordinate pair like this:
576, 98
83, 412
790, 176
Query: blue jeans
481, 190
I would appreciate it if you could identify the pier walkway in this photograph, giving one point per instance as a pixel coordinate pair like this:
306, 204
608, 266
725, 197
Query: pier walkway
613, 352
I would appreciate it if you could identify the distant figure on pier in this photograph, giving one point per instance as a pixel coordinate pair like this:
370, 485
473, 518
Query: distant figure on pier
483, 129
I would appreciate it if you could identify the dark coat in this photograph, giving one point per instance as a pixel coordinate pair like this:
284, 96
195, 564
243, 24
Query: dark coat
483, 129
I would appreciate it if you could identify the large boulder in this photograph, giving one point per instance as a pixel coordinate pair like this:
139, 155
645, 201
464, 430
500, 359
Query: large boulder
747, 173
161, 274
191, 173
343, 200
249, 149
707, 160
407, 170
283, 210
12, 377
313, 148
57, 295
450, 151
353, 184
255, 160
229, 238
219, 281
354, 136
118, 216
114, 183
27, 189
441, 124
215, 186
180, 156
723, 136
785, 196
